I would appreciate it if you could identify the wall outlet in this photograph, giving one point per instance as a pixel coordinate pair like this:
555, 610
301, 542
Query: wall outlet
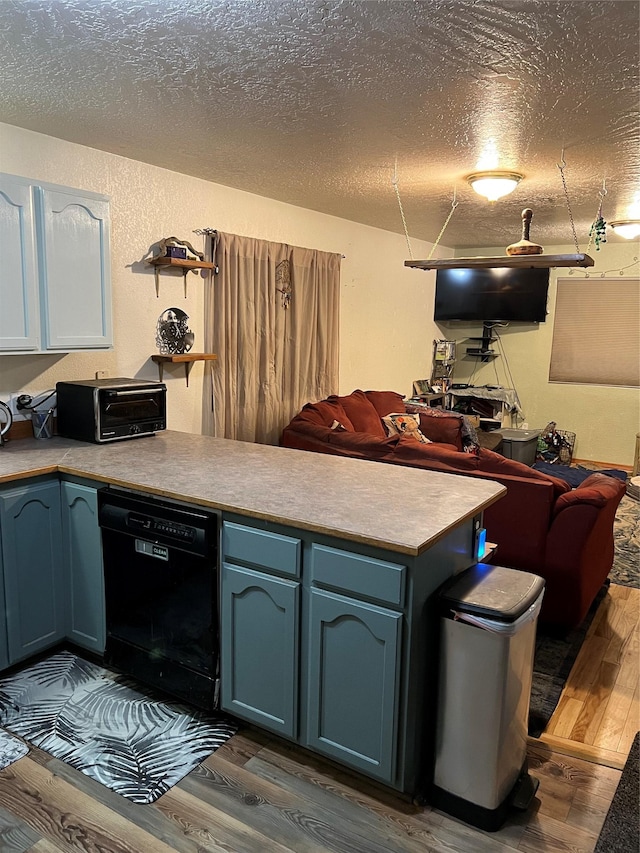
18, 414
41, 399
525, 425
102, 374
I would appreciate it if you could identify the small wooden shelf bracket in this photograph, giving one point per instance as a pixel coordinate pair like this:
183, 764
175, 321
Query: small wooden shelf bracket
178, 263
193, 260
187, 359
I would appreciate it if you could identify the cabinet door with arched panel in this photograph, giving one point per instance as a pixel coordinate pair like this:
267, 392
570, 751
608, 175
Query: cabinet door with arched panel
84, 582
33, 567
19, 315
353, 682
259, 619
75, 269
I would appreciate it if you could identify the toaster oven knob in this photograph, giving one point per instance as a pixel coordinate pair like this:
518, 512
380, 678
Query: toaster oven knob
134, 428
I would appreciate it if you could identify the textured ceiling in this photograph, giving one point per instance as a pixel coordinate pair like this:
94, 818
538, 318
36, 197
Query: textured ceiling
314, 103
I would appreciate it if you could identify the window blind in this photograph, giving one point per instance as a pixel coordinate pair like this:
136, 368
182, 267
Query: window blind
596, 332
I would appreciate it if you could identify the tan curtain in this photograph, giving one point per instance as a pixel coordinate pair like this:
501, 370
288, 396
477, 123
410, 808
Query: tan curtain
272, 318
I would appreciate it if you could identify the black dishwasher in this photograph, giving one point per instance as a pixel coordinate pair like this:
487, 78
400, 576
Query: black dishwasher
161, 581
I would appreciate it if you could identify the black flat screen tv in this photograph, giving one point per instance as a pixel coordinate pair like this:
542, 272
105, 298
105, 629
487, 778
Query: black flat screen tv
498, 293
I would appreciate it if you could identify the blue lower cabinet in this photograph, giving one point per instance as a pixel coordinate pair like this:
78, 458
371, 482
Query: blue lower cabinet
4, 650
353, 682
259, 629
33, 568
85, 578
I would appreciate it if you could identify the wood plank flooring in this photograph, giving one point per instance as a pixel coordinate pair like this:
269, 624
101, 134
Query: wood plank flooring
598, 713
260, 795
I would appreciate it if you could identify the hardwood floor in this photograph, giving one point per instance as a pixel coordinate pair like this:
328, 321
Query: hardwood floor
260, 795
599, 711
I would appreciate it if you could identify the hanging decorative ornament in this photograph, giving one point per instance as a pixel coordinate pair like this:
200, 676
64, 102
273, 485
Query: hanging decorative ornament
283, 278
525, 246
172, 333
598, 230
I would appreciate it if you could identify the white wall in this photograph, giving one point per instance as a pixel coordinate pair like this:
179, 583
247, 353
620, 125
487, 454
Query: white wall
386, 309
605, 419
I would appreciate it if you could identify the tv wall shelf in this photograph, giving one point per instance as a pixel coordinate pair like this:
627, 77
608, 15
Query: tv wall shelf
186, 358
514, 261
484, 351
481, 353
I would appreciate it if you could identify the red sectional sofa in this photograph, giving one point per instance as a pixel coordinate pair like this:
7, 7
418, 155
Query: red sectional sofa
540, 526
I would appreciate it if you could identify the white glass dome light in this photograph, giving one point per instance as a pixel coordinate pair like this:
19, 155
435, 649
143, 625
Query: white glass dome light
627, 228
494, 184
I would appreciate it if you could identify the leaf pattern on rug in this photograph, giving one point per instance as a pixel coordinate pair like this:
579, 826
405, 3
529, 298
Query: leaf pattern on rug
11, 749
626, 533
103, 725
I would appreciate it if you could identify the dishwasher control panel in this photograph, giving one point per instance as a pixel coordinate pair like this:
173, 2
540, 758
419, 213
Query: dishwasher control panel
152, 524
158, 520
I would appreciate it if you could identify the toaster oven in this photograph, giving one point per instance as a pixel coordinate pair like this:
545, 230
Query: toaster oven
102, 410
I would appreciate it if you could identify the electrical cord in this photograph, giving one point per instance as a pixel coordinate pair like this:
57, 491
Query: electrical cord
503, 355
26, 401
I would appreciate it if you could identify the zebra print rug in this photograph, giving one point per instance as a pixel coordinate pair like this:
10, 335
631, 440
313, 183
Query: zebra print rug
101, 724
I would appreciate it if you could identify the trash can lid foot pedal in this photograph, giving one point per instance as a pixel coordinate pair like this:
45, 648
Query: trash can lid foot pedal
524, 791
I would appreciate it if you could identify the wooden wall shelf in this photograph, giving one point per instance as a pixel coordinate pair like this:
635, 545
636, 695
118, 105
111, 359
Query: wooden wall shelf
513, 261
186, 358
183, 264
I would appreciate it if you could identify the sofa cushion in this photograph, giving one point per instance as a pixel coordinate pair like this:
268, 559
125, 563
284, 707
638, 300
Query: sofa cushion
325, 413
433, 456
363, 444
597, 490
400, 423
361, 412
386, 402
494, 463
442, 427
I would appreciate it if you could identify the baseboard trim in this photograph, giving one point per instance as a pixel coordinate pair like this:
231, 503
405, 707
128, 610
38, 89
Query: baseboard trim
587, 462
574, 749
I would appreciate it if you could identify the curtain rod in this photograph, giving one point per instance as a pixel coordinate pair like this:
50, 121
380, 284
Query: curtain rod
210, 232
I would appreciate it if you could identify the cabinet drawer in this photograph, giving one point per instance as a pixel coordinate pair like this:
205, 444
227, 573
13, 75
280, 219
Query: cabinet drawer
261, 548
362, 576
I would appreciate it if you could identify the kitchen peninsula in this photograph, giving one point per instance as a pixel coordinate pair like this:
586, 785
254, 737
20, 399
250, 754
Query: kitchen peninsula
328, 632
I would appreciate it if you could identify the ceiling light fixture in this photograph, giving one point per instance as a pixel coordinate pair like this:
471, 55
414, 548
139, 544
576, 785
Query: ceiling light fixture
627, 228
494, 184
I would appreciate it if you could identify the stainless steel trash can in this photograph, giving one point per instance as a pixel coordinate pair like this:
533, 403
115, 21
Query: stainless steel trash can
488, 625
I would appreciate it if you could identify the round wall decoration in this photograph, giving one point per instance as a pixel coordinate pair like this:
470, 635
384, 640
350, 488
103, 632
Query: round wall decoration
172, 333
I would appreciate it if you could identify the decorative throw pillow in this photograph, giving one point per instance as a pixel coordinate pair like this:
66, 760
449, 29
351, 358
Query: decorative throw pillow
361, 412
400, 423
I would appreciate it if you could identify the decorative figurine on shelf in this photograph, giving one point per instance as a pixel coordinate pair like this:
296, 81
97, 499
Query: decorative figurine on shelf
525, 246
172, 247
172, 333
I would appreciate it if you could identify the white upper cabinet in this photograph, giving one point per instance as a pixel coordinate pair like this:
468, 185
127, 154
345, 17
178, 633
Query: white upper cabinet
19, 318
56, 290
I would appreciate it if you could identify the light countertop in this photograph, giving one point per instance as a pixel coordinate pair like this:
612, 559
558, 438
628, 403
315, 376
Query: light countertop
389, 506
